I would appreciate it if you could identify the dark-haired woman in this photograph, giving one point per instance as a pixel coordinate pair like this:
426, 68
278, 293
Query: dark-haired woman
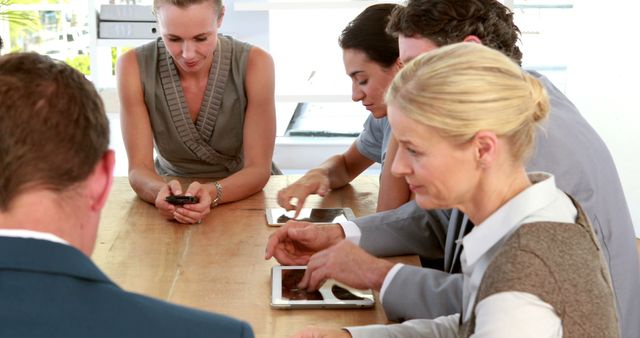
371, 60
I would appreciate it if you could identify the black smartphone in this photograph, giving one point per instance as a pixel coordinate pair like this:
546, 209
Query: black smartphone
180, 199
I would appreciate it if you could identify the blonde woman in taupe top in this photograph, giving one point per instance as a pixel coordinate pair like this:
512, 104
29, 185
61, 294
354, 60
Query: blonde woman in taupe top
205, 102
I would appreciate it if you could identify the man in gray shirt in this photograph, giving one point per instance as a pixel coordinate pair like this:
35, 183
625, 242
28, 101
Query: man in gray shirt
569, 148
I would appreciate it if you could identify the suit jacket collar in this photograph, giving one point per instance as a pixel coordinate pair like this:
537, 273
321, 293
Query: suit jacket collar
43, 256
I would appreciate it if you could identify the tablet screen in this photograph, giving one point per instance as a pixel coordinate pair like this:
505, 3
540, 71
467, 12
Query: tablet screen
290, 290
286, 293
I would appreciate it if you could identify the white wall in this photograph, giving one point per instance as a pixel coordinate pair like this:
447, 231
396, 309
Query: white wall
249, 26
602, 81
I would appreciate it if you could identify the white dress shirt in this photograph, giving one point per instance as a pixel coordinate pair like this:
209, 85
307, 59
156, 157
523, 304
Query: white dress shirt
22, 233
501, 314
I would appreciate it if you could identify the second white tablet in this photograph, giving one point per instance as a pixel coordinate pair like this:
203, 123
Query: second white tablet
279, 216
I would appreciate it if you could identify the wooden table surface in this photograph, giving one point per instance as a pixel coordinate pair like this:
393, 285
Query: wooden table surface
218, 265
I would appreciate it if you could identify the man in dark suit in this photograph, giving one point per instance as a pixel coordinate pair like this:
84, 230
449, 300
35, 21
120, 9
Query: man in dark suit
55, 176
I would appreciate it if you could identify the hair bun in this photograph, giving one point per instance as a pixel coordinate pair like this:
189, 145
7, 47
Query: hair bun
539, 97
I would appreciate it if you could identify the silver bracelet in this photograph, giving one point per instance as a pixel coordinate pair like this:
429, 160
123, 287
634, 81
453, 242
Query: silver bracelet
216, 200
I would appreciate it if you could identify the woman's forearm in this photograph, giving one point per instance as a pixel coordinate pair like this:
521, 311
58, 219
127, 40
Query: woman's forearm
146, 184
240, 185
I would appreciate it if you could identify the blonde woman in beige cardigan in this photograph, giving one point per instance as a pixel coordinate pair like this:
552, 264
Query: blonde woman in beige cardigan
465, 117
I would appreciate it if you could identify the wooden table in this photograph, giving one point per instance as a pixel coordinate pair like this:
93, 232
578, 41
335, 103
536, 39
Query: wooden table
218, 265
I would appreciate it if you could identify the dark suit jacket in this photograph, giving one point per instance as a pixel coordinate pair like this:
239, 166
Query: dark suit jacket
53, 290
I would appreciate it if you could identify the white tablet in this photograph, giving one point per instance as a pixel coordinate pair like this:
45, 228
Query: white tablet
279, 216
286, 295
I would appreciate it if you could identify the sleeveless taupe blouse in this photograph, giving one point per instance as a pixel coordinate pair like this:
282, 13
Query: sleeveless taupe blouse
212, 146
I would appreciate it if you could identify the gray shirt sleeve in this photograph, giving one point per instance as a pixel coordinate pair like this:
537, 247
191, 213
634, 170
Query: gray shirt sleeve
414, 292
370, 141
408, 229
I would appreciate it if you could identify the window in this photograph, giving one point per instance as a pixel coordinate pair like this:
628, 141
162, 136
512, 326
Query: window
55, 28
543, 27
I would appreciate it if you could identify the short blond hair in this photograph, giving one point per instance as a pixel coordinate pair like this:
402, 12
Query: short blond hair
464, 88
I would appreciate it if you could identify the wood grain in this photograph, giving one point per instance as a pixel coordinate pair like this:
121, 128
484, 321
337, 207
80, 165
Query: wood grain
218, 265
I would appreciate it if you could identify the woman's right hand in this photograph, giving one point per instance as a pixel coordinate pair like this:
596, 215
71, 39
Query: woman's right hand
315, 181
167, 209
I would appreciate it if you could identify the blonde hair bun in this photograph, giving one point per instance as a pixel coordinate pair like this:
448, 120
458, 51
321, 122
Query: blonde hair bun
539, 96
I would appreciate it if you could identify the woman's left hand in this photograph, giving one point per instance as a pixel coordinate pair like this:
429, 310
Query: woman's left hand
194, 213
